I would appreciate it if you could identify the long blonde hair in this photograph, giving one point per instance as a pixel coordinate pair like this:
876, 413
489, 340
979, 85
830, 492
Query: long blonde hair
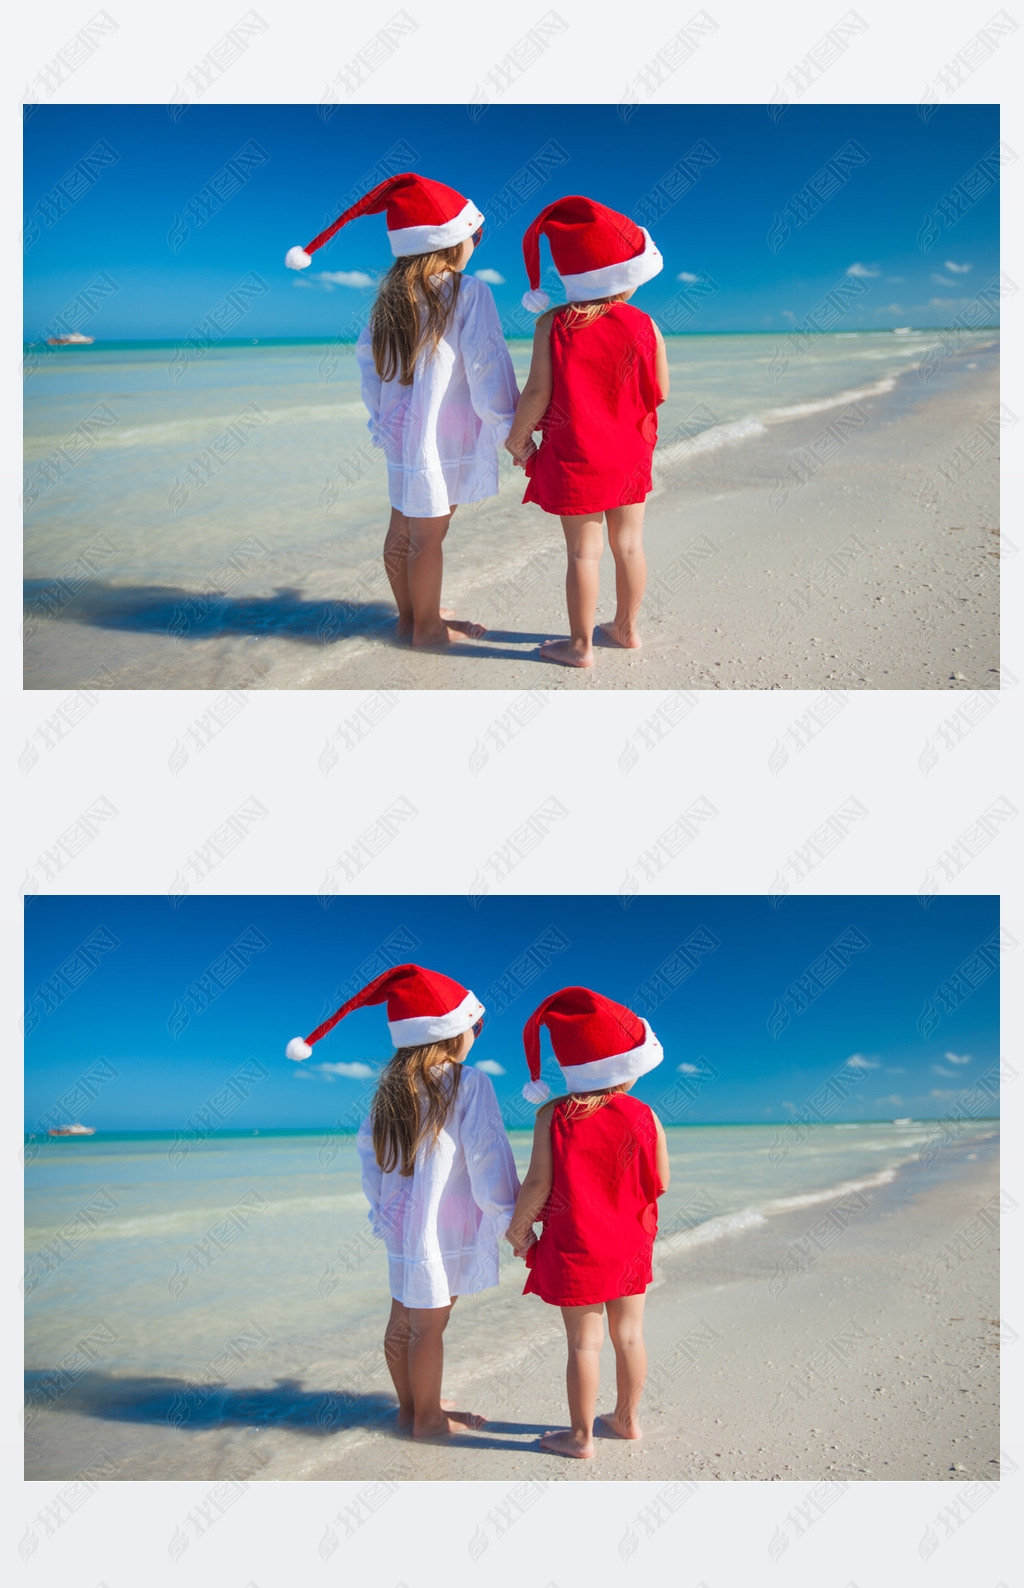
413, 1102
412, 311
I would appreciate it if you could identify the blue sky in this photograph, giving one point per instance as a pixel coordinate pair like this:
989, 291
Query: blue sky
167, 211
176, 1000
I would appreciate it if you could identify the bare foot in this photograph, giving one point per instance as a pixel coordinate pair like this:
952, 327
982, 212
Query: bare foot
616, 1426
565, 651
470, 1419
446, 1423
568, 1444
620, 634
407, 1415
447, 634
405, 624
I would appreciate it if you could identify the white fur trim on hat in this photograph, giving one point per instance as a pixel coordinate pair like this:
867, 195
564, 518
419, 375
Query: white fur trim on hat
536, 1091
535, 301
297, 1049
297, 259
413, 1033
615, 1069
606, 281
426, 239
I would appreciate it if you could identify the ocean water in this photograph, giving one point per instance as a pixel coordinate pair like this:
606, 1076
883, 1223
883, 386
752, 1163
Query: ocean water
248, 468
172, 1255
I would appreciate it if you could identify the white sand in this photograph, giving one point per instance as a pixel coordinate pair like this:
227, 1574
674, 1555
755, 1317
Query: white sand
852, 580
879, 1361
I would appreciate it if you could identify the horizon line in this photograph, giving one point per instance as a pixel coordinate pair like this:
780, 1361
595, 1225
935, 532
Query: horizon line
228, 341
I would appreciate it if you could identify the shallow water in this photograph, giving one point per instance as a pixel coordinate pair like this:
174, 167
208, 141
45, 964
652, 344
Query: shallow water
182, 465
182, 1250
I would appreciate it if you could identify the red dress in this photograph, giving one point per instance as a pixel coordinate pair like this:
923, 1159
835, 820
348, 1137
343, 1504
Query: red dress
600, 426
601, 1216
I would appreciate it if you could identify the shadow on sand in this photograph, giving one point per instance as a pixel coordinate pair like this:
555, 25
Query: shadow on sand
181, 1405
202, 615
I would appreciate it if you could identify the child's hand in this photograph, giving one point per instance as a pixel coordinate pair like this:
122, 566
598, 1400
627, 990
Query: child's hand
521, 448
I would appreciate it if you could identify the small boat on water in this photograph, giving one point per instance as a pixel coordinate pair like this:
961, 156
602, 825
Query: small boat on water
73, 339
71, 1130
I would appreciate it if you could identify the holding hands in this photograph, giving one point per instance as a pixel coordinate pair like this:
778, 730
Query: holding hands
522, 446
520, 1242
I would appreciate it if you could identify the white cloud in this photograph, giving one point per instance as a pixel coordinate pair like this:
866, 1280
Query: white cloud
942, 303
489, 1066
688, 1069
958, 270
857, 1061
861, 270
938, 1091
687, 275
942, 281
787, 314
344, 278
957, 1058
895, 1099
940, 1069
351, 1072
893, 308
493, 278
791, 1106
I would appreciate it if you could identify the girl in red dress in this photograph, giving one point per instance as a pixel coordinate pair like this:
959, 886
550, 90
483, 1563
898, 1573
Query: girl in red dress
599, 372
599, 1164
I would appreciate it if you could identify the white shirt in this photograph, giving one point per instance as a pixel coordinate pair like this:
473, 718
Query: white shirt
441, 435
442, 1224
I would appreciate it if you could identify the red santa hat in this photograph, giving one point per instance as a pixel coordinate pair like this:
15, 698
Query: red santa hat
422, 216
597, 1043
423, 1006
596, 251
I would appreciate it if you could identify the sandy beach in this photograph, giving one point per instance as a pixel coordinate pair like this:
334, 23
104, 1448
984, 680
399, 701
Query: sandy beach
852, 547
854, 1339
877, 1361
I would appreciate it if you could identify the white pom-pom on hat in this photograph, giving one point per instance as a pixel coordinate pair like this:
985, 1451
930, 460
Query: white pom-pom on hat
297, 259
297, 1049
536, 1091
536, 300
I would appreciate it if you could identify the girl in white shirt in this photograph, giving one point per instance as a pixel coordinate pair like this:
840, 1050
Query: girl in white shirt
438, 1173
441, 1183
438, 383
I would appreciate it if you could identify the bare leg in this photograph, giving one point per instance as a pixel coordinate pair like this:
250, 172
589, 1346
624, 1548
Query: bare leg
584, 543
626, 1327
396, 1354
426, 1365
584, 1329
425, 567
396, 554
625, 535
